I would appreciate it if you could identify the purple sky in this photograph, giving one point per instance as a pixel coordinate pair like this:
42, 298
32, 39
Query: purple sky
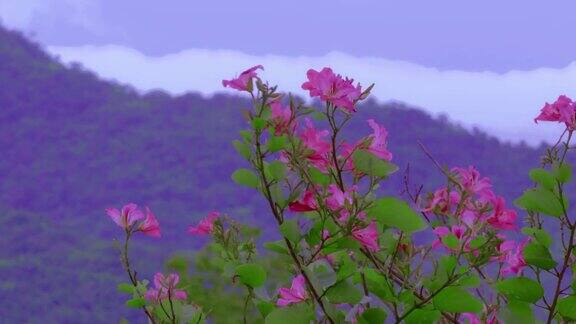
492, 35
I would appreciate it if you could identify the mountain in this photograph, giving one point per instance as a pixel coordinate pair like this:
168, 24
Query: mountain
72, 144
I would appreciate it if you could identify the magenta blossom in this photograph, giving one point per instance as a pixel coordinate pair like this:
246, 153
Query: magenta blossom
471, 318
295, 294
501, 217
378, 144
320, 148
244, 81
368, 237
305, 204
125, 217
282, 119
443, 201
345, 215
441, 231
338, 198
206, 225
472, 182
563, 110
150, 225
513, 257
332, 88
165, 287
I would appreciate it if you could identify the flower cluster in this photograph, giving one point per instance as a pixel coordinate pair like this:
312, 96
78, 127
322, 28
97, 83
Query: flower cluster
563, 110
131, 218
469, 207
350, 252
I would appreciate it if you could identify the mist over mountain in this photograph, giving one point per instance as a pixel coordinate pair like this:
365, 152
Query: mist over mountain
72, 144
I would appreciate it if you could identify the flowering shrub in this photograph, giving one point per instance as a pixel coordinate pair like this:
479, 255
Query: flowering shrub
347, 254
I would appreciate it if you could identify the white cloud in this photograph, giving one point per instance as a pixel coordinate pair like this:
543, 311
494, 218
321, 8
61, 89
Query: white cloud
502, 104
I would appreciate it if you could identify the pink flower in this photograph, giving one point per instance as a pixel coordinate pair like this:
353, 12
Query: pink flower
472, 183
296, 294
150, 225
378, 141
320, 148
127, 216
244, 81
501, 217
281, 119
305, 204
442, 231
474, 319
471, 318
513, 257
345, 215
367, 236
469, 217
562, 110
338, 198
332, 88
165, 287
206, 225
443, 201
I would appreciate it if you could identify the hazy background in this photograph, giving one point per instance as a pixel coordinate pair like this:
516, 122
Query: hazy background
143, 118
489, 64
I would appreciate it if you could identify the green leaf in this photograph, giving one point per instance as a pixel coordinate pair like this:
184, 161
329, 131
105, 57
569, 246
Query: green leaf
290, 230
178, 263
457, 300
540, 200
136, 302
371, 165
539, 234
246, 135
451, 241
543, 178
563, 172
258, 123
567, 307
447, 264
265, 307
251, 274
373, 316
517, 312
346, 269
277, 170
478, 241
126, 288
246, 178
396, 213
471, 280
344, 293
423, 316
294, 314
538, 255
323, 273
242, 148
318, 177
277, 246
379, 285
276, 143
520, 288
407, 298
